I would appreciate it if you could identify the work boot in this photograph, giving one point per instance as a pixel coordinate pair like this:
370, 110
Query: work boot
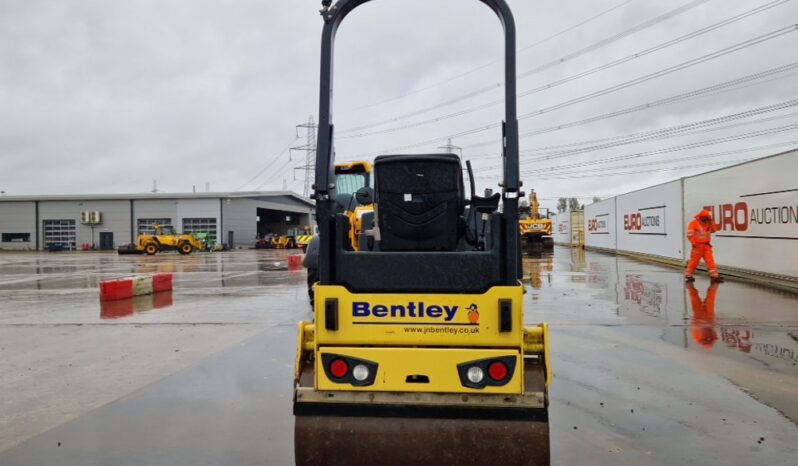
717, 279
689, 279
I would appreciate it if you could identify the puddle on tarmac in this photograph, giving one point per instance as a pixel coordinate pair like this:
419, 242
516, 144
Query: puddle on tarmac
749, 327
74, 271
127, 307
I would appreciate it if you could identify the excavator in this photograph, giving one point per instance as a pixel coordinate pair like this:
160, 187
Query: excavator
536, 230
418, 352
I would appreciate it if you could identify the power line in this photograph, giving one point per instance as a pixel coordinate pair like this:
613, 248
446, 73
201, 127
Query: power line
637, 155
709, 90
732, 85
268, 164
564, 59
680, 130
667, 136
639, 80
680, 159
493, 62
687, 129
762, 120
672, 69
621, 35
279, 171
655, 170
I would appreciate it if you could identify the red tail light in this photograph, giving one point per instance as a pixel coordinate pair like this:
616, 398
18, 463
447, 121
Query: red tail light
497, 371
339, 368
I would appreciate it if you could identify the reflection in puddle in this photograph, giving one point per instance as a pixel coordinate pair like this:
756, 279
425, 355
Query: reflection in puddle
127, 307
737, 339
746, 322
542, 264
702, 325
650, 297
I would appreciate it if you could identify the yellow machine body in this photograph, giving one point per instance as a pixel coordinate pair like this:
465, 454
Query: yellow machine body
165, 238
412, 337
540, 226
534, 228
355, 216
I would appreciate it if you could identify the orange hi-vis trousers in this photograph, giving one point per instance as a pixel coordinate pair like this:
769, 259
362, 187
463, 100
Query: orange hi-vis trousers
701, 251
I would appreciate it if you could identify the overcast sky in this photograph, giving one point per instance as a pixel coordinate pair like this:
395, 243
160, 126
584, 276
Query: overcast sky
101, 96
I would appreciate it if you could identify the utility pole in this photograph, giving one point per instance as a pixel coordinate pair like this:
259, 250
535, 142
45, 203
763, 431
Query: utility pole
449, 148
310, 153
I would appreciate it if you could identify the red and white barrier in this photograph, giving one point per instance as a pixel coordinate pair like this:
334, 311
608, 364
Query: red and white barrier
124, 288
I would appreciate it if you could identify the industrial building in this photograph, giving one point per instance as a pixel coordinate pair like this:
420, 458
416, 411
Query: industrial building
106, 221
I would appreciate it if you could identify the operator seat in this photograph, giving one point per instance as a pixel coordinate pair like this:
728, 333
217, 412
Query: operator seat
419, 202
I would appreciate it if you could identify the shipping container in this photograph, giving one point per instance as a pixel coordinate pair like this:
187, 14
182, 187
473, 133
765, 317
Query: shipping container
649, 222
562, 229
600, 226
577, 228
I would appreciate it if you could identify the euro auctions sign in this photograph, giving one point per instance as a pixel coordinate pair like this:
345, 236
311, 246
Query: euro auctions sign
756, 206
645, 221
598, 225
759, 215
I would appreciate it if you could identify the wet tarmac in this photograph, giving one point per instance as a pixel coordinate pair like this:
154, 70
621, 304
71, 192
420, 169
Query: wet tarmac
646, 370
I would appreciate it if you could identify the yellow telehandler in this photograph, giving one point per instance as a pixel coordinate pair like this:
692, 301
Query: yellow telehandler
164, 238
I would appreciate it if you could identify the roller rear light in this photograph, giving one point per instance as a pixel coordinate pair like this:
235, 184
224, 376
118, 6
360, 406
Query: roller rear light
339, 368
347, 370
499, 372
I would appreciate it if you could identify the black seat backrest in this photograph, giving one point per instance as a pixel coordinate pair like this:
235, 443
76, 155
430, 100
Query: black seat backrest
419, 202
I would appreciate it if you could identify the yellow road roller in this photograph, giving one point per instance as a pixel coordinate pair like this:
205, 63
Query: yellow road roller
417, 353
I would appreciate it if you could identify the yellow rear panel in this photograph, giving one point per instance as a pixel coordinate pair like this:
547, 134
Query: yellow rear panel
452, 320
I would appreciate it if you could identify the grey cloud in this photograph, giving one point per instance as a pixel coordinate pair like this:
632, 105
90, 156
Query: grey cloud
104, 96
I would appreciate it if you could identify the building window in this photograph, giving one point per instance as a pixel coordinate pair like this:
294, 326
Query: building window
201, 225
16, 238
59, 232
146, 226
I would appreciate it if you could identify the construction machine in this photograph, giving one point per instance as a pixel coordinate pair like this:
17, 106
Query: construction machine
535, 229
353, 182
286, 241
304, 237
418, 353
163, 238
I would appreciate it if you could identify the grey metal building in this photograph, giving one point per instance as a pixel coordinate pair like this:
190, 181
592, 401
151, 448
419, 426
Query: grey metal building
107, 221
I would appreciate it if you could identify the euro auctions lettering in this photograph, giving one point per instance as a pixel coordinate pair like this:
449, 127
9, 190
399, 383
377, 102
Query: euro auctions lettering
647, 221
741, 216
597, 225
636, 221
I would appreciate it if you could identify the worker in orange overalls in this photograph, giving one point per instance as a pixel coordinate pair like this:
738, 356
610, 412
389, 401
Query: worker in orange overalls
699, 232
702, 326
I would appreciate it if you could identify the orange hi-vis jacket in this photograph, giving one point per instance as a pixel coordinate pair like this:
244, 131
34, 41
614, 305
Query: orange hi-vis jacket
699, 232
